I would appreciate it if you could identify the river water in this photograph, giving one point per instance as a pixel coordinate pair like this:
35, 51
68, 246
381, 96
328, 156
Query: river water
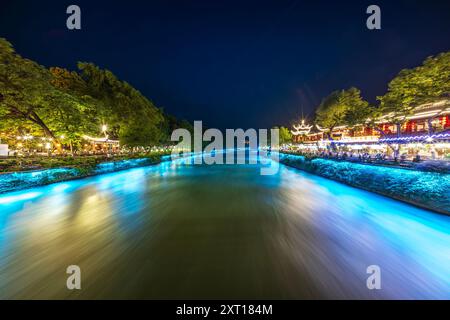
195, 231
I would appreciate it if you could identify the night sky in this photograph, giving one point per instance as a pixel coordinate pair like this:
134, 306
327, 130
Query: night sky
234, 63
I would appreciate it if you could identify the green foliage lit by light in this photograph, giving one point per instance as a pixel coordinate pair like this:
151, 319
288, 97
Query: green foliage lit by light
412, 87
66, 105
285, 135
345, 107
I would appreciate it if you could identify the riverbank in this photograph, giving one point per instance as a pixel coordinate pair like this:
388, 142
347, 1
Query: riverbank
441, 166
65, 169
428, 190
216, 220
32, 163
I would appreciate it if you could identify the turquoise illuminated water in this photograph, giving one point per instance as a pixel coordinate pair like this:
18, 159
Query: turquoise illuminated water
184, 231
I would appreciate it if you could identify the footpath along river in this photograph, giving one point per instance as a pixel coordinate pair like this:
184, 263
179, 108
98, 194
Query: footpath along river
224, 231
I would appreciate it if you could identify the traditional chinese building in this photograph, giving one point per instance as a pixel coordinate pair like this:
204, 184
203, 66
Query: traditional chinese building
426, 130
428, 121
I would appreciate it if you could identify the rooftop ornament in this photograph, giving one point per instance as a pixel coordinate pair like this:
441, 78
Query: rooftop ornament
301, 129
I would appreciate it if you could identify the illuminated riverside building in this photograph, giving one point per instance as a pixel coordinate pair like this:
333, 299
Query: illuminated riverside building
101, 144
426, 132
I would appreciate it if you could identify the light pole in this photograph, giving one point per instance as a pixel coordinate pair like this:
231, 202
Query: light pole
104, 130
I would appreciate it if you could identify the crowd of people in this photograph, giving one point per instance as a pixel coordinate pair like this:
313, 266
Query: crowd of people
359, 156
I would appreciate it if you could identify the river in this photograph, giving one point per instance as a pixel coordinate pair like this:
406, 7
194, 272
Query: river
225, 231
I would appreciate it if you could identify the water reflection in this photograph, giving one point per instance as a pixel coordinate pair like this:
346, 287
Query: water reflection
181, 231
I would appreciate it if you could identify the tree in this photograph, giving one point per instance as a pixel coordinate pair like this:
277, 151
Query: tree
427, 83
171, 123
285, 135
30, 99
25, 90
412, 87
130, 116
66, 103
359, 111
344, 107
82, 118
330, 113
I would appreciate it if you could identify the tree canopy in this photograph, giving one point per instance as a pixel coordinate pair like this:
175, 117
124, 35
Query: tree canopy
130, 116
413, 87
427, 83
285, 135
345, 107
59, 102
27, 98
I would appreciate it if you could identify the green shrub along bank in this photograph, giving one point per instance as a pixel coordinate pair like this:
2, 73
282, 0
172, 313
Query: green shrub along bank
63, 169
40, 163
430, 190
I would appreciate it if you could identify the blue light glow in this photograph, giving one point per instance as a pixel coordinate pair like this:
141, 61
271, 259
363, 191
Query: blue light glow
326, 229
431, 189
19, 197
24, 180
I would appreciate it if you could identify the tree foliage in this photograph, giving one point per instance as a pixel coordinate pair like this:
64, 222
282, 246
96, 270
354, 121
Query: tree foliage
285, 135
413, 87
59, 102
345, 107
26, 94
127, 114
170, 124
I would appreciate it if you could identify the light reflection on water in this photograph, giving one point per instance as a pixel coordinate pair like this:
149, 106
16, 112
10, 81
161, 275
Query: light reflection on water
183, 231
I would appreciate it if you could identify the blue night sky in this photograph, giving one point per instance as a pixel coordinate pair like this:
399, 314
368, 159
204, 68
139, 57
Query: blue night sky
234, 63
